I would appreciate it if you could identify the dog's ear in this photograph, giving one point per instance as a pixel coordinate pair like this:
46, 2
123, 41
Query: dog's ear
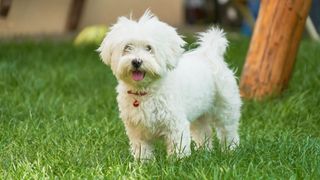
171, 44
113, 38
176, 50
105, 50
172, 50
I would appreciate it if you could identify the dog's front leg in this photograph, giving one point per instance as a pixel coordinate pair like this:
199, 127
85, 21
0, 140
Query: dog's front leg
141, 148
178, 140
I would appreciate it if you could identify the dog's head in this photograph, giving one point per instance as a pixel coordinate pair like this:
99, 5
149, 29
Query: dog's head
139, 52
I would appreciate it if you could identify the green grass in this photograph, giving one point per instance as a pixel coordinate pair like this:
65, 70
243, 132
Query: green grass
59, 118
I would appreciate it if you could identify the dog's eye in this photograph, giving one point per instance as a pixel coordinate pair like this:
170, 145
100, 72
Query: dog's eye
128, 48
148, 48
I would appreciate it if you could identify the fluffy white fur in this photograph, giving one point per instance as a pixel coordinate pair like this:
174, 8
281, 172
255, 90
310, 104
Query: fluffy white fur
186, 94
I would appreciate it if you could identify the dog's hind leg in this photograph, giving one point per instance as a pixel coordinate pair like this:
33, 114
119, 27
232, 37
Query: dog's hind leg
226, 122
227, 109
201, 132
228, 135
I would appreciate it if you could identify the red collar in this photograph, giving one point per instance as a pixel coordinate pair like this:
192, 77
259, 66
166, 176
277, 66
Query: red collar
136, 103
137, 93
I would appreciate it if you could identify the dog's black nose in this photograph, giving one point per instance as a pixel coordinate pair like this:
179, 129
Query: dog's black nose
136, 63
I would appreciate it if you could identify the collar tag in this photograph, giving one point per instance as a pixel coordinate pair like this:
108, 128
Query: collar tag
136, 103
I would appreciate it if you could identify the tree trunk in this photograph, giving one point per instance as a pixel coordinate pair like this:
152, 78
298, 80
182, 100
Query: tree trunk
273, 47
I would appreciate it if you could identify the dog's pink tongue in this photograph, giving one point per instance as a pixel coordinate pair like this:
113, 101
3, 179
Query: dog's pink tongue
137, 75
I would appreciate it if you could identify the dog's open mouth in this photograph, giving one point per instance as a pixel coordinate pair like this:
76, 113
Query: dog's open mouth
138, 75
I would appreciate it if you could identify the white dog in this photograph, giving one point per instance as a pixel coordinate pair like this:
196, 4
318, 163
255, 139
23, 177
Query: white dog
164, 92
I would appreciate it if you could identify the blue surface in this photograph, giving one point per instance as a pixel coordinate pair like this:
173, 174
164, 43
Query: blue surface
253, 6
315, 14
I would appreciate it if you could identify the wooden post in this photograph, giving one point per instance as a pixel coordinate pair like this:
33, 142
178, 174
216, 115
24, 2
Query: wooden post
273, 47
5, 7
75, 12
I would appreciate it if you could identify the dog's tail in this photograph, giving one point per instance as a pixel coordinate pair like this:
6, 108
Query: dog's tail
213, 42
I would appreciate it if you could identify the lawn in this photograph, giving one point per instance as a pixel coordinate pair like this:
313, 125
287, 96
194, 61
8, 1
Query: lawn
59, 118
